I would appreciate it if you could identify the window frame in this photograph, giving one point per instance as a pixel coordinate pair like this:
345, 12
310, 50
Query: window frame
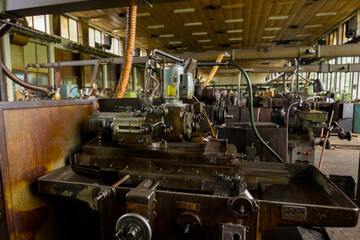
68, 37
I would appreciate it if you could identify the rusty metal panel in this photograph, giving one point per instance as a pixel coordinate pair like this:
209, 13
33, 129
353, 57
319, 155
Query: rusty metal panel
36, 138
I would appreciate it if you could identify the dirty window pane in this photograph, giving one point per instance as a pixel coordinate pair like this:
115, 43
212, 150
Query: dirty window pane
64, 27
42, 79
91, 37
116, 46
30, 21
97, 36
47, 21
73, 30
39, 23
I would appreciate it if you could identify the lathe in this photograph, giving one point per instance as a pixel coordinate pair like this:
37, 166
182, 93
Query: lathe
152, 173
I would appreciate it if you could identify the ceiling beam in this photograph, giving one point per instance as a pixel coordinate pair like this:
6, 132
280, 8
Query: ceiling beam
320, 51
319, 68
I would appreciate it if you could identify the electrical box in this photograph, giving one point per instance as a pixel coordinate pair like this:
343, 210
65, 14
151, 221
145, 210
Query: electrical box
268, 94
186, 86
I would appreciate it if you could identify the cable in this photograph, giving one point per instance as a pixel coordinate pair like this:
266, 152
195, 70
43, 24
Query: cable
211, 127
251, 107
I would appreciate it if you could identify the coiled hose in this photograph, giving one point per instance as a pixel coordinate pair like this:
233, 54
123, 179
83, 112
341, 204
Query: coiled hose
129, 52
251, 109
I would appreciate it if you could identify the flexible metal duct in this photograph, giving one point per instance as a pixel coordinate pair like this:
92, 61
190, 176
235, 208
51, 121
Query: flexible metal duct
129, 51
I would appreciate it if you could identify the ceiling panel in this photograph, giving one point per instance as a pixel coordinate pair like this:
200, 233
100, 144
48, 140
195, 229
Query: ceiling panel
252, 24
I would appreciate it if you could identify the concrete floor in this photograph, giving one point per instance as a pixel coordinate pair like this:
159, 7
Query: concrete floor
341, 161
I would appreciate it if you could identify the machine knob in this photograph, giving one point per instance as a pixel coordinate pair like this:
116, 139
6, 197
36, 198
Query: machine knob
188, 225
132, 234
242, 207
132, 226
161, 112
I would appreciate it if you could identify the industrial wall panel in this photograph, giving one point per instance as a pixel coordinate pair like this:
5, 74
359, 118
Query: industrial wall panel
36, 138
356, 127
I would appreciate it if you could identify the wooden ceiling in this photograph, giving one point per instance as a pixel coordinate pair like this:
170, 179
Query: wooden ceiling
227, 24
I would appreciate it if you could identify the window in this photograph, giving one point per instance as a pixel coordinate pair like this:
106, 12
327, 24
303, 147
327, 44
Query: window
69, 28
98, 36
95, 36
40, 22
143, 53
333, 38
91, 37
115, 46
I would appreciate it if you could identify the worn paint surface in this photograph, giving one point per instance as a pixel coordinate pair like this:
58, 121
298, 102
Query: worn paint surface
37, 141
356, 128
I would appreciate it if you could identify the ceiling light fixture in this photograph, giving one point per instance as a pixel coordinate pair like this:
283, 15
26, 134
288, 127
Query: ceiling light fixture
185, 10
234, 31
285, 2
96, 19
231, 6
268, 37
167, 35
175, 42
313, 26
303, 35
204, 41
193, 24
272, 29
235, 39
144, 14
155, 26
325, 14
236, 45
278, 17
234, 20
199, 33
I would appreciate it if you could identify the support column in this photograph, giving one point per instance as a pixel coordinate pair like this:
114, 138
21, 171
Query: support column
8, 89
51, 58
51, 54
105, 76
135, 79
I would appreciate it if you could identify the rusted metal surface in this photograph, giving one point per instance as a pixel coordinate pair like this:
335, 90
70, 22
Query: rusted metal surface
36, 138
241, 135
307, 199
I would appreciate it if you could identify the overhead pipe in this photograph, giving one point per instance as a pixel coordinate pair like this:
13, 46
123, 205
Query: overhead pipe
17, 80
93, 78
322, 51
4, 29
129, 52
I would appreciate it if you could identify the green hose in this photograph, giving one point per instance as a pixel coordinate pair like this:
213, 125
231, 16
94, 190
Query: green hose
251, 109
